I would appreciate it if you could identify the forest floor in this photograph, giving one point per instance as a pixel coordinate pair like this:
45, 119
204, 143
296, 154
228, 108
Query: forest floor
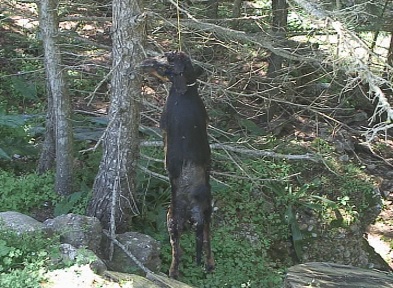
380, 234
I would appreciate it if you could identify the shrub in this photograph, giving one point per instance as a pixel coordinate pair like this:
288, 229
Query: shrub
22, 193
24, 258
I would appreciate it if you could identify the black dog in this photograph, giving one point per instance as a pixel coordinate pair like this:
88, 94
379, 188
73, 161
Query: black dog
187, 153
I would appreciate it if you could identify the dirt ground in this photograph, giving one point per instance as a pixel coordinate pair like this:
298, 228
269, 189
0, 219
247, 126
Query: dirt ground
380, 234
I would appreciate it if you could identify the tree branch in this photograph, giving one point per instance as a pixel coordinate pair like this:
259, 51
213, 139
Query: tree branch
263, 40
250, 152
354, 64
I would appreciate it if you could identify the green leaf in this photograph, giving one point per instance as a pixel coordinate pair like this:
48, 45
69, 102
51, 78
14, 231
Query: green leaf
4, 155
251, 127
99, 120
4, 249
297, 236
25, 88
65, 205
12, 121
328, 202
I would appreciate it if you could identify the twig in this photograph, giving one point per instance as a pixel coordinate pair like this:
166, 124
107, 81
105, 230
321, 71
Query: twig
263, 153
259, 39
258, 153
154, 174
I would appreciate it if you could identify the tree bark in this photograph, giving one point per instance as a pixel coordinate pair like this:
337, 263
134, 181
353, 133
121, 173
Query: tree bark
279, 28
49, 24
114, 187
236, 12
390, 51
212, 9
48, 151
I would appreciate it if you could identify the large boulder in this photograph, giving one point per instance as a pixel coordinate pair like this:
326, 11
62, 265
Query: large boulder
143, 247
78, 230
19, 222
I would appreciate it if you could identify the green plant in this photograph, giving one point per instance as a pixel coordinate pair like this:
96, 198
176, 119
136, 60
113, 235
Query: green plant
14, 137
25, 192
24, 258
258, 203
29, 277
239, 262
322, 146
74, 203
153, 195
243, 232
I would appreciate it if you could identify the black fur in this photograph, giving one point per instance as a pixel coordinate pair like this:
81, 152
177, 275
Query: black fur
184, 122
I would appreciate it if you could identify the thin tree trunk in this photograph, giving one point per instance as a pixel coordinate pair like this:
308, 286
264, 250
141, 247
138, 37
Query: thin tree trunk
114, 187
390, 51
279, 27
212, 9
49, 24
48, 151
236, 12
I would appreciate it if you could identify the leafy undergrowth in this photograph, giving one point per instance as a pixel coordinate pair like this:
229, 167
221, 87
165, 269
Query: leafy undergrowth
24, 192
256, 201
25, 258
255, 233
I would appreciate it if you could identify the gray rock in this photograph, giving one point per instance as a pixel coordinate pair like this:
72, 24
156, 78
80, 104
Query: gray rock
82, 276
19, 222
143, 247
165, 282
71, 255
326, 275
137, 281
77, 230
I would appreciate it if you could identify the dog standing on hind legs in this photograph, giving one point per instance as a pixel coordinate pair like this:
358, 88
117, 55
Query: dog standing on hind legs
187, 155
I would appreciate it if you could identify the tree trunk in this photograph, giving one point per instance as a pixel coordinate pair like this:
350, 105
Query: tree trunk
390, 51
236, 12
48, 151
279, 27
212, 9
114, 187
49, 24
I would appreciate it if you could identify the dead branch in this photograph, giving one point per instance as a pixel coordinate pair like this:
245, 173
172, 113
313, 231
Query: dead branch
359, 67
263, 153
263, 40
86, 19
163, 281
250, 152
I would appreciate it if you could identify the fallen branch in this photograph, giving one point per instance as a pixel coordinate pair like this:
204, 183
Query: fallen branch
352, 64
250, 152
264, 153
